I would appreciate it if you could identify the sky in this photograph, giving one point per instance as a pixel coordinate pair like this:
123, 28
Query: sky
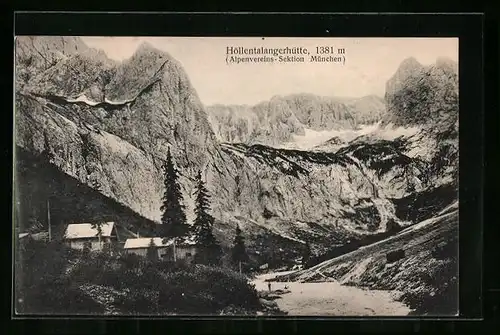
369, 63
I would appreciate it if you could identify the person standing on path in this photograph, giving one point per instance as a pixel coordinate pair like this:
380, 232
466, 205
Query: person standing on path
269, 285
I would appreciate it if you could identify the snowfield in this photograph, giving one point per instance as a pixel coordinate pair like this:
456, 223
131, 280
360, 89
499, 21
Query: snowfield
332, 299
83, 98
313, 138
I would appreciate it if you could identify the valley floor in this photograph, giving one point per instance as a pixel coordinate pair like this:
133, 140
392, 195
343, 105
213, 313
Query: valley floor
332, 299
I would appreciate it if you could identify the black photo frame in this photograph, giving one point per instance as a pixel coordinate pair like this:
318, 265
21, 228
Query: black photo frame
467, 27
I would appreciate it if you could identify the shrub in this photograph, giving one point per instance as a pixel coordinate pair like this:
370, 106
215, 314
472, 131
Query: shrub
440, 296
130, 260
204, 289
139, 302
90, 268
228, 286
446, 250
146, 287
395, 255
167, 266
234, 310
43, 287
58, 298
177, 299
393, 226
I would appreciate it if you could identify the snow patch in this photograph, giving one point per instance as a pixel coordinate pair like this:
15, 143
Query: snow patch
390, 132
374, 131
118, 103
331, 299
313, 138
310, 139
83, 98
301, 224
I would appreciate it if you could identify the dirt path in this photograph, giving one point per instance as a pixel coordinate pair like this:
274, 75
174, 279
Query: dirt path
332, 298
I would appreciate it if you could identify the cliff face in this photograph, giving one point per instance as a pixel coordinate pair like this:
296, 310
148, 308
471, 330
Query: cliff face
427, 97
278, 120
418, 95
111, 123
337, 190
36, 54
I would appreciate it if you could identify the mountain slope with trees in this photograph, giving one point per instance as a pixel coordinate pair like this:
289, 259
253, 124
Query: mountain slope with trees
116, 123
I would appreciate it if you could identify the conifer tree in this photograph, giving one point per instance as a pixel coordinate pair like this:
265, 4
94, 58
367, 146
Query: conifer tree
47, 160
239, 254
96, 185
173, 218
209, 250
152, 252
98, 224
46, 155
306, 255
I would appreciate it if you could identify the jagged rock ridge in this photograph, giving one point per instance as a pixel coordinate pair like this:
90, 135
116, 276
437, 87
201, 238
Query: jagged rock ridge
276, 121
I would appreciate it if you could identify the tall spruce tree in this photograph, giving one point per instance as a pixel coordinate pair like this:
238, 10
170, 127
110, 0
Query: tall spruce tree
152, 252
47, 160
46, 155
239, 254
96, 185
209, 250
173, 218
98, 226
306, 255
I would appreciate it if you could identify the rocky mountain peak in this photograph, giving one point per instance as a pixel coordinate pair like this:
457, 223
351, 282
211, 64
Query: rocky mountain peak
146, 101
147, 54
423, 95
44, 46
447, 64
150, 67
409, 64
408, 68
147, 48
98, 55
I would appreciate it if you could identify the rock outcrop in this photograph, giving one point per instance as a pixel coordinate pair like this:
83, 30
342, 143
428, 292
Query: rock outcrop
109, 123
427, 97
36, 54
418, 95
